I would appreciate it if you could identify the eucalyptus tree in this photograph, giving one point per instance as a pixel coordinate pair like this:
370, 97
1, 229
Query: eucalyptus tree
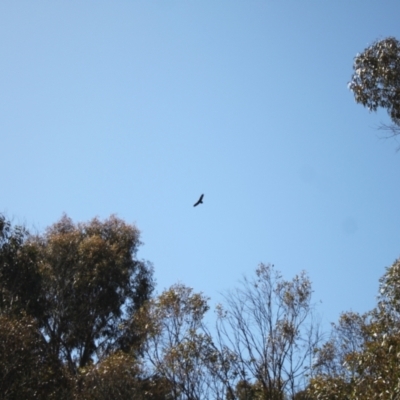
375, 82
91, 284
178, 346
268, 333
75, 286
361, 360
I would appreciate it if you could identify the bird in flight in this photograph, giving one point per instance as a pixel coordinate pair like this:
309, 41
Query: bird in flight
199, 201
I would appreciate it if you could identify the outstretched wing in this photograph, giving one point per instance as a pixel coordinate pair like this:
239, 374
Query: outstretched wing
199, 201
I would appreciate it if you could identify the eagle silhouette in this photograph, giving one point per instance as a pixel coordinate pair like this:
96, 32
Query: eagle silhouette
199, 201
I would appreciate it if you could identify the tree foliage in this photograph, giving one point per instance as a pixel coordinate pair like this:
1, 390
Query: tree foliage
261, 347
20, 280
364, 353
376, 79
178, 345
27, 369
91, 284
78, 321
65, 299
120, 377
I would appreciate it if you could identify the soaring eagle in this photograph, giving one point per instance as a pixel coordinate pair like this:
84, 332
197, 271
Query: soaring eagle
199, 201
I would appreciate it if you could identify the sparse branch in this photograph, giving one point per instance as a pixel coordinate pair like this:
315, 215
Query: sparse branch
269, 330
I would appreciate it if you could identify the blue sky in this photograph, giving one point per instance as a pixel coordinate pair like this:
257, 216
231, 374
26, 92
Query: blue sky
137, 107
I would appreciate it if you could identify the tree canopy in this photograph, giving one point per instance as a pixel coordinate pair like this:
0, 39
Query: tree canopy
69, 293
361, 360
78, 320
376, 79
91, 284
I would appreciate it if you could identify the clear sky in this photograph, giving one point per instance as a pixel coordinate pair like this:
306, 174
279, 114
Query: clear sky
138, 107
